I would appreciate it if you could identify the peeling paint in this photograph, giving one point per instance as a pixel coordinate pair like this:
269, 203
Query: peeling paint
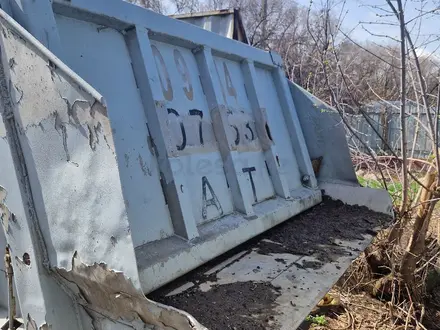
12, 62
12, 93
113, 296
32, 325
5, 213
61, 128
144, 168
21, 94
109, 145
92, 140
82, 113
240, 129
2, 128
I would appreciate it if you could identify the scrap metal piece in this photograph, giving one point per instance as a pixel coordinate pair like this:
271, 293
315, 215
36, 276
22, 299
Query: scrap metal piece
113, 295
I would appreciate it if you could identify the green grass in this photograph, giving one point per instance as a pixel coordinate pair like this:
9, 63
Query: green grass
394, 187
317, 319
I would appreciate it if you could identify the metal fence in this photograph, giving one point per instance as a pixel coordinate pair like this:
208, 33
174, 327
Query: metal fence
384, 118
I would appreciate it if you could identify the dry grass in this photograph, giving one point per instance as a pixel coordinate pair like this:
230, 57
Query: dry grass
373, 297
372, 293
358, 311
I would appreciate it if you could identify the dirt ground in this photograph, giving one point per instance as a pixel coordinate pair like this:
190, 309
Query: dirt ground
357, 311
250, 305
360, 310
363, 312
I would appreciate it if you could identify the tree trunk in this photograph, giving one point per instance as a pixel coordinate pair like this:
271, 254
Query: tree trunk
396, 231
404, 141
263, 24
416, 245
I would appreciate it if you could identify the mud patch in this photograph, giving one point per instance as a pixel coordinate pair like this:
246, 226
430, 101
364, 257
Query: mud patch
311, 264
238, 306
283, 261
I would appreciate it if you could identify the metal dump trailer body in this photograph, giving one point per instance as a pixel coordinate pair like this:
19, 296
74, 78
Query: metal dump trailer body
187, 145
205, 131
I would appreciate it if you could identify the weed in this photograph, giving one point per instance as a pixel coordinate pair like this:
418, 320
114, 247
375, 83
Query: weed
317, 319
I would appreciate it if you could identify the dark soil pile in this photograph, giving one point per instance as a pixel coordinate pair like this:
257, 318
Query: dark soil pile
249, 305
307, 233
238, 306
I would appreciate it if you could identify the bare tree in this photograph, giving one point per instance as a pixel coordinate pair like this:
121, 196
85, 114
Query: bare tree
186, 6
349, 74
155, 5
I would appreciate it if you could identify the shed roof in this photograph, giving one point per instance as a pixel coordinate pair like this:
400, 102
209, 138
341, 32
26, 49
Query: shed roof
226, 22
